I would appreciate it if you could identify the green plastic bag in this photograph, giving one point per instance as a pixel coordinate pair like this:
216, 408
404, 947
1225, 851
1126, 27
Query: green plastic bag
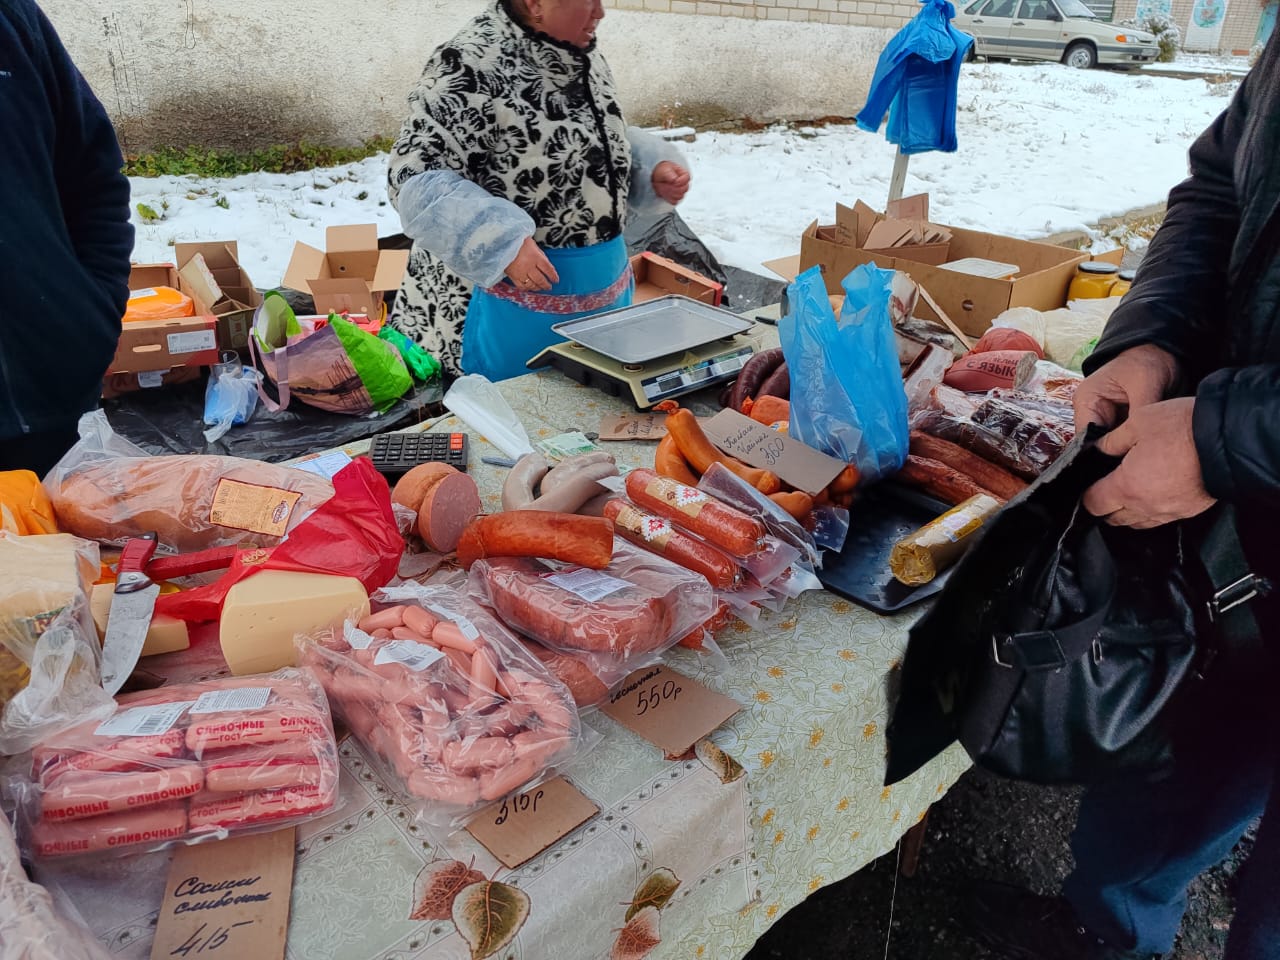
339, 368
421, 364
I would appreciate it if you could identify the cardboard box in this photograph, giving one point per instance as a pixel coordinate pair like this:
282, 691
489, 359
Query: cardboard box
118, 384
210, 273
658, 277
351, 275
149, 346
972, 302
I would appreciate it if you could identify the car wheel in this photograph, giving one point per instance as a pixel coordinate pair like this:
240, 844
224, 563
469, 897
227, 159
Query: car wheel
1081, 56
972, 52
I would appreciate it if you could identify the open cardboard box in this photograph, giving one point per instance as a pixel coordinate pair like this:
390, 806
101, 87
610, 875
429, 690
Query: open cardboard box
972, 302
221, 289
351, 275
658, 277
158, 346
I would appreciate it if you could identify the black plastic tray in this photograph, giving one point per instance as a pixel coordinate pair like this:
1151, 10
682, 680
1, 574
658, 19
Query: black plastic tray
881, 516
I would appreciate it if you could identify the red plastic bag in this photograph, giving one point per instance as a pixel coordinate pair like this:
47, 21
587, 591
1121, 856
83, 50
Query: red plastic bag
354, 534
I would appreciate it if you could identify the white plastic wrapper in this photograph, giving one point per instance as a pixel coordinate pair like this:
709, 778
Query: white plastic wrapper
50, 656
31, 928
182, 763
453, 707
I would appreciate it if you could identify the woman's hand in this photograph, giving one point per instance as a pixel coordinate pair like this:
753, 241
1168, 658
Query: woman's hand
531, 270
670, 181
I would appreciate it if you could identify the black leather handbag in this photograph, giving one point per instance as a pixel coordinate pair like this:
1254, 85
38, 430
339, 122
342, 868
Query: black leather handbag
1064, 650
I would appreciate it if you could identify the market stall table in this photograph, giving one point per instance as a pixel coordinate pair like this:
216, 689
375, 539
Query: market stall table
814, 681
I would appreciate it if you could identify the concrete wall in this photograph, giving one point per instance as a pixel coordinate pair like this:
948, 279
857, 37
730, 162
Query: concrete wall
246, 73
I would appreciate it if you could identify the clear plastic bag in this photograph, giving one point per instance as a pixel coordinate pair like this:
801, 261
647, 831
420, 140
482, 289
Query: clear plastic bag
860, 414
49, 651
230, 397
476, 401
629, 612
1021, 432
31, 928
183, 763
451, 705
106, 489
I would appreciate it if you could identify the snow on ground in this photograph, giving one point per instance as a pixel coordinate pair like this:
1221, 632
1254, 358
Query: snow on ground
1043, 149
1204, 64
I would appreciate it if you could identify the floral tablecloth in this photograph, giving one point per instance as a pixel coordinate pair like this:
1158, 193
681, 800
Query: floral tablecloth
676, 855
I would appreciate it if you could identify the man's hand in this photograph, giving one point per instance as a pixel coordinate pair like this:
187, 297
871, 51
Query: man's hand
1137, 378
531, 270
670, 181
1159, 479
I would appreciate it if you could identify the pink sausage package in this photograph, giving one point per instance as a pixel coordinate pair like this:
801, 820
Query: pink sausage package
184, 763
448, 702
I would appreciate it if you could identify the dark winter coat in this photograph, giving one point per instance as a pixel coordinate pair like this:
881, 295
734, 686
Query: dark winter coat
65, 236
1208, 291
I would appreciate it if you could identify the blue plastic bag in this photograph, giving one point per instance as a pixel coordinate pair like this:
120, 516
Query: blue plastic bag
230, 397
847, 398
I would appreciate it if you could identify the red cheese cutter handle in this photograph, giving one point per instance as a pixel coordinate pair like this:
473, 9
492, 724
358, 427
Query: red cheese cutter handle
186, 564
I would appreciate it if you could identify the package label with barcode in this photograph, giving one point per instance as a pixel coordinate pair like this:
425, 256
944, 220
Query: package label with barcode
590, 585
149, 721
356, 637
408, 653
226, 701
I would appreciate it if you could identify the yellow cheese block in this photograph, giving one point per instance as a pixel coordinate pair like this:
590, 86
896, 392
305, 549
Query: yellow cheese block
165, 635
39, 577
262, 614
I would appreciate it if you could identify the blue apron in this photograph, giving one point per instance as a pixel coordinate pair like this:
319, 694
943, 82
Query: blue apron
506, 327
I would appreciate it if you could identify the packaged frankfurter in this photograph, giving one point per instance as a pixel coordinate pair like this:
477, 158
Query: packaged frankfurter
183, 763
448, 702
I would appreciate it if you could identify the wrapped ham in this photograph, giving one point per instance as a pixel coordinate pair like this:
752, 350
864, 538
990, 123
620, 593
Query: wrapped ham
637, 606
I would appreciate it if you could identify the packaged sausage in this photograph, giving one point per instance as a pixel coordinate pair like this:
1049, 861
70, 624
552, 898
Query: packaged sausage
1024, 433
919, 557
447, 701
183, 763
631, 611
107, 489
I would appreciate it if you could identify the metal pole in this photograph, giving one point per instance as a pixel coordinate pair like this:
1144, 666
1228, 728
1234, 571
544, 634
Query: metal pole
899, 178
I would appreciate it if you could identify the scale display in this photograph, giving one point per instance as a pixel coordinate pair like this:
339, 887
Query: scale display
673, 383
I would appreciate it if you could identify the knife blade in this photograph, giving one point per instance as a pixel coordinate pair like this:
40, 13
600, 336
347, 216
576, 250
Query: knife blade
130, 617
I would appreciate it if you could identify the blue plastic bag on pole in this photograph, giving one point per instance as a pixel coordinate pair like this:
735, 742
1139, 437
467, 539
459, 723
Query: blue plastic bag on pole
847, 397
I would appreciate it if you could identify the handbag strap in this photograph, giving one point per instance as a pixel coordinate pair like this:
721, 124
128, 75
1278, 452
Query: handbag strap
1233, 583
1054, 649
281, 355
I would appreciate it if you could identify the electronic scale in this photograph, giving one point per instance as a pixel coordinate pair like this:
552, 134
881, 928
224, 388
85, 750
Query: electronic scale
652, 351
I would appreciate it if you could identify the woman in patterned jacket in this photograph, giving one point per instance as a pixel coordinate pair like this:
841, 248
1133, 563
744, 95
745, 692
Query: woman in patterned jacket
512, 175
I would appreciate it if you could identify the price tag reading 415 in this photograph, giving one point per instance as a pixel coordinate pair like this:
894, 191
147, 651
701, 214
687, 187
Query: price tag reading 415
658, 693
668, 709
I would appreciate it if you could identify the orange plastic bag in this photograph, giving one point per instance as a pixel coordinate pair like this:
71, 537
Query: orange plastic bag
25, 508
158, 303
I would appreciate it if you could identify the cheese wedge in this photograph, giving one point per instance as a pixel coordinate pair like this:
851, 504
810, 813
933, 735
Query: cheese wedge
165, 635
262, 614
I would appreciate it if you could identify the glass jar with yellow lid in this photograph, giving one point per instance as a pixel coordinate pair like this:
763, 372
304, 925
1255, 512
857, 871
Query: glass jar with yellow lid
1124, 280
1093, 280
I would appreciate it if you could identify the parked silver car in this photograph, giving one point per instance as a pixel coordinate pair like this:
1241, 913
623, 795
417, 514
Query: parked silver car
1063, 30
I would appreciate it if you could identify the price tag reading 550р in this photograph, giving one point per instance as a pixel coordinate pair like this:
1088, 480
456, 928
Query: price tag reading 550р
665, 691
668, 709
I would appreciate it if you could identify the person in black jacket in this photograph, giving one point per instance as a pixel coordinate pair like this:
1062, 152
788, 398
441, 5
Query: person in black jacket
1187, 374
65, 241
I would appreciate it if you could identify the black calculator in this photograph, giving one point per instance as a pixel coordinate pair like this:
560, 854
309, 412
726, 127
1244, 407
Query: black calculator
395, 454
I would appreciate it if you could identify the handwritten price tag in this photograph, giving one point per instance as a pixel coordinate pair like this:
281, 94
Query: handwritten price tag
668, 709
228, 899
519, 827
801, 466
633, 426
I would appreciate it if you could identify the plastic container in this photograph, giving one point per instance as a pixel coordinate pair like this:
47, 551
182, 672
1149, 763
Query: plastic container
1093, 280
1124, 280
158, 303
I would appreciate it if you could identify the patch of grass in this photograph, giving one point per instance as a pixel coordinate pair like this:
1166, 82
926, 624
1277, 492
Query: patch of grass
283, 158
